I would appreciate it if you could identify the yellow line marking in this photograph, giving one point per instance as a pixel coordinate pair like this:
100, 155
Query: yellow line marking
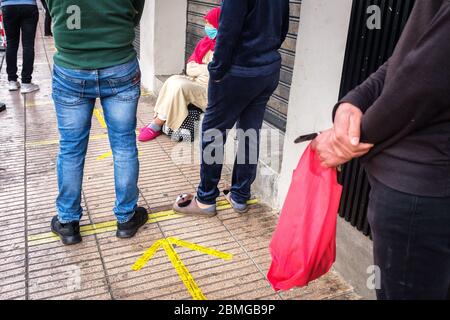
177, 263
195, 247
223, 205
51, 142
146, 94
39, 104
99, 228
183, 272
105, 156
99, 116
108, 155
150, 253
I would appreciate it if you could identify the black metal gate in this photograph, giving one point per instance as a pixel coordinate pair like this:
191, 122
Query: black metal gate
278, 105
367, 50
137, 41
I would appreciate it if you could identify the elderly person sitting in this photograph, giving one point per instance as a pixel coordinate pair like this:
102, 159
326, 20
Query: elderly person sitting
180, 91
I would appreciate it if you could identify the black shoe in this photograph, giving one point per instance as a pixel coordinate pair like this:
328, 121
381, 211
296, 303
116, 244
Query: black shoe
130, 228
69, 233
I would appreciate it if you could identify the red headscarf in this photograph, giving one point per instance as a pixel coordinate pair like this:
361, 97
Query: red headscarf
206, 44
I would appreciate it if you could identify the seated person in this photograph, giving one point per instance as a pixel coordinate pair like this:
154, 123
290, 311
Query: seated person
180, 91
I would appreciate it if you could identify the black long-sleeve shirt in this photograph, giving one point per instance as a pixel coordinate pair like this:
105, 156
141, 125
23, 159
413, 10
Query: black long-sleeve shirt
406, 106
250, 34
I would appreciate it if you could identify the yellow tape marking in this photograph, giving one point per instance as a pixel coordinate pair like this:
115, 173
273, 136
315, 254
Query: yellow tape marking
109, 226
146, 94
105, 156
183, 272
99, 116
108, 155
51, 142
180, 267
39, 104
142, 261
100, 228
195, 247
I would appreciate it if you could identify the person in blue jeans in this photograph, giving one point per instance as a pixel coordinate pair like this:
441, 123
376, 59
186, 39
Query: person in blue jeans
20, 19
244, 73
84, 71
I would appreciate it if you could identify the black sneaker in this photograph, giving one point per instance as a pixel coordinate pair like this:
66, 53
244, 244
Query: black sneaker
130, 228
69, 233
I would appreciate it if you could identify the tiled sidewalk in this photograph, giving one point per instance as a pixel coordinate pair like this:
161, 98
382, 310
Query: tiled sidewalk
34, 265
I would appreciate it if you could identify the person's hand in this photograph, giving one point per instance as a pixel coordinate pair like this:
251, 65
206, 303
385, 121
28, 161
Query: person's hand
324, 147
330, 150
342, 143
347, 125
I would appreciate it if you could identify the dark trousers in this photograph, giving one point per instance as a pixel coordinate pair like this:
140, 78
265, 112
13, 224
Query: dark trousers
48, 19
20, 19
411, 237
240, 101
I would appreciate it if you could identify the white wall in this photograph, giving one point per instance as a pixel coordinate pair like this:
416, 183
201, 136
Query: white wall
315, 90
163, 38
317, 76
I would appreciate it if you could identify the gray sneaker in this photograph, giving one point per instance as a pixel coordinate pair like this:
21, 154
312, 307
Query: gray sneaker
238, 207
29, 87
14, 85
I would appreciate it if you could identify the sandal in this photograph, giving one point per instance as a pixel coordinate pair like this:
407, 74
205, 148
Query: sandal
187, 204
238, 207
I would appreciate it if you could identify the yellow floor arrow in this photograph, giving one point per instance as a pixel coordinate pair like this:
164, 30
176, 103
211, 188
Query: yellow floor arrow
181, 269
98, 114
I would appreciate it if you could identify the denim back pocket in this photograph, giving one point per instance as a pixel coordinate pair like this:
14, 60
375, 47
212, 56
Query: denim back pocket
128, 87
67, 90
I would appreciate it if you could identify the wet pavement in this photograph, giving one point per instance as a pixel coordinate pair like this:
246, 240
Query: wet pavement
173, 257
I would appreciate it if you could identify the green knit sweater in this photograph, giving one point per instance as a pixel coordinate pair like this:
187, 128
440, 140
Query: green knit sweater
94, 34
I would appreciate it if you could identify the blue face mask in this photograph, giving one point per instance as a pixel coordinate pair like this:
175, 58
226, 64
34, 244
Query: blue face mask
211, 32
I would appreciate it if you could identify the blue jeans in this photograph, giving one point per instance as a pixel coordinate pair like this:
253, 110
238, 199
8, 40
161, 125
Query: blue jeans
74, 94
240, 101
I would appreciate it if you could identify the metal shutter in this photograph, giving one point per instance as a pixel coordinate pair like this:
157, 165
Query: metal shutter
366, 51
278, 105
137, 41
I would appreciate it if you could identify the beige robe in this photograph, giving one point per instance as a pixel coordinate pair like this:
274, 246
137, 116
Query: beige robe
179, 91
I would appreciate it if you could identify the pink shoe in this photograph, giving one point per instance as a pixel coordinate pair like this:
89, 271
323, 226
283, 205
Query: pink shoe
148, 134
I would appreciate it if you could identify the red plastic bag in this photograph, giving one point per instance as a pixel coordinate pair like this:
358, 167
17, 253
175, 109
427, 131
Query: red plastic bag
303, 246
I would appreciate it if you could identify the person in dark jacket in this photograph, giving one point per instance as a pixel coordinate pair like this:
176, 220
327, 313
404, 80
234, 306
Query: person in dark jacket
48, 20
244, 73
399, 120
20, 19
